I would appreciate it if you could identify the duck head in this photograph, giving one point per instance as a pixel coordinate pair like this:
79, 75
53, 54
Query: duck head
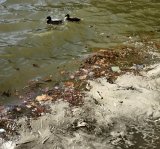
67, 15
48, 18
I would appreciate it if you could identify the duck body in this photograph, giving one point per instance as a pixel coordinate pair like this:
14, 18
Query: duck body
54, 22
72, 19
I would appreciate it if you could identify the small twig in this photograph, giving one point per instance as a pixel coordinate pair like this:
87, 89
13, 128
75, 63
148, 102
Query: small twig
41, 123
95, 101
45, 139
99, 94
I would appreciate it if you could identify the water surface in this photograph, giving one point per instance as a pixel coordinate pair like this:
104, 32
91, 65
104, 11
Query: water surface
26, 39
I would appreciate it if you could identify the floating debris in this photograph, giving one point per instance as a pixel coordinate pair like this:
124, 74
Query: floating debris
69, 84
2, 130
43, 98
107, 63
47, 79
138, 67
6, 93
115, 69
35, 65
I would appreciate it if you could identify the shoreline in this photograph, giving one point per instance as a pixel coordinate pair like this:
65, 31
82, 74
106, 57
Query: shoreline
105, 98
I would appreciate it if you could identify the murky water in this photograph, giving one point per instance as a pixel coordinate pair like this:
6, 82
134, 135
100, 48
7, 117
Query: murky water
26, 39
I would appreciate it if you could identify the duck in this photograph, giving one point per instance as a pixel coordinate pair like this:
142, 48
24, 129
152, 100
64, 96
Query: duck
67, 16
54, 22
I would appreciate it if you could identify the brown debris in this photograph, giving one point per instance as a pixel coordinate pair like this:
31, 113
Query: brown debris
108, 63
69, 84
6, 93
103, 61
9, 127
47, 79
35, 65
43, 98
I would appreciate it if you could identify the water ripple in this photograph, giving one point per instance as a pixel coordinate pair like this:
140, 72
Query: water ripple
2, 1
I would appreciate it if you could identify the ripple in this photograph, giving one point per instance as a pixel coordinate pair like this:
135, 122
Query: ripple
10, 39
2, 1
21, 7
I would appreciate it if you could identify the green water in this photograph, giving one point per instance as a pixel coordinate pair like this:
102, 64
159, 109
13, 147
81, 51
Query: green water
25, 38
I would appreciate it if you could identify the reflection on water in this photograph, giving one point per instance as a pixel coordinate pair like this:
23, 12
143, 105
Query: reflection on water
26, 39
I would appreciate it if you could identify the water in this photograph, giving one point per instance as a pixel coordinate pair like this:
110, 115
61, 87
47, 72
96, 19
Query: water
26, 39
